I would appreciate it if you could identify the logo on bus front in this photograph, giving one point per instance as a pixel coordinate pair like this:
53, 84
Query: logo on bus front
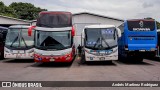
141, 28
141, 24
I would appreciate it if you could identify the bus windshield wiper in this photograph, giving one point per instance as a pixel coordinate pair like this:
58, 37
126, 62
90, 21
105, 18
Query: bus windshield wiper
24, 42
14, 41
105, 42
96, 42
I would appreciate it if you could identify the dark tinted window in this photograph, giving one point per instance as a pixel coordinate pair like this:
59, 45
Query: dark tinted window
141, 25
54, 20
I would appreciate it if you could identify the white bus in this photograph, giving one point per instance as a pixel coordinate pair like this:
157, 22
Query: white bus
100, 43
54, 37
19, 44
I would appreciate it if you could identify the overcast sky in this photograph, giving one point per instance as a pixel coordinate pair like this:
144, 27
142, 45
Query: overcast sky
123, 9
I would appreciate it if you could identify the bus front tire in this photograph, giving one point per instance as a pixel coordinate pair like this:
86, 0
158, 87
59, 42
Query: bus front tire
139, 59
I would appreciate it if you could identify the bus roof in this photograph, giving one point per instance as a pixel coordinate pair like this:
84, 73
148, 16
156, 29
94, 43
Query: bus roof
19, 26
3, 27
140, 20
100, 26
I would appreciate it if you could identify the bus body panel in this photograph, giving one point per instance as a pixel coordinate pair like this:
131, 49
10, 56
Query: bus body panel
93, 57
66, 55
140, 43
18, 54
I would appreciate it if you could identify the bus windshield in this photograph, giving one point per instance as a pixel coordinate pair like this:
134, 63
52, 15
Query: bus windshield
105, 38
57, 40
54, 20
18, 38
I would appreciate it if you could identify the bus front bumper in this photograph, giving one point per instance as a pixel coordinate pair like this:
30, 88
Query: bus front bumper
65, 58
18, 56
90, 57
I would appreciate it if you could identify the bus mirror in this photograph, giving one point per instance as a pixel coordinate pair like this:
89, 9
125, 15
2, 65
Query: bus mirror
30, 30
73, 31
82, 34
119, 32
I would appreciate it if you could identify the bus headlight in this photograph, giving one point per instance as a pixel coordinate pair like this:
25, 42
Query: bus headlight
66, 53
6, 50
67, 58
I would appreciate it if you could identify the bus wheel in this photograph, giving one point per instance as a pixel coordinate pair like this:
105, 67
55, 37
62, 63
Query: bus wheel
139, 59
1, 56
121, 58
109, 62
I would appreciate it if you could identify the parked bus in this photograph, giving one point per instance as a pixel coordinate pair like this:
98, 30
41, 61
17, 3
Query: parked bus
3, 32
100, 43
19, 44
158, 49
139, 39
54, 37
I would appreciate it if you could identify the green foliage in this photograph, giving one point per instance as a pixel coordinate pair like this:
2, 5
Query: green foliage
26, 11
6, 11
158, 25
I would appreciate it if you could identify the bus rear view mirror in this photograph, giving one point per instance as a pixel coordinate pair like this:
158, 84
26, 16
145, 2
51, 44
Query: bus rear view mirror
119, 32
30, 30
73, 31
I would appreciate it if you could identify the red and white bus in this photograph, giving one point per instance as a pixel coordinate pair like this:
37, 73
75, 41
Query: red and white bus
54, 37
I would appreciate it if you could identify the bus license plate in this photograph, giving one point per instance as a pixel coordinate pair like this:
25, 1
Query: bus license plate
52, 60
18, 56
102, 58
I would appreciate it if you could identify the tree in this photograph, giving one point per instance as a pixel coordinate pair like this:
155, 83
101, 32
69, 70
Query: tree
26, 11
158, 25
6, 11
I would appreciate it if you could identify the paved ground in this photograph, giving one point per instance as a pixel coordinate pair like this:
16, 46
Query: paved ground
24, 70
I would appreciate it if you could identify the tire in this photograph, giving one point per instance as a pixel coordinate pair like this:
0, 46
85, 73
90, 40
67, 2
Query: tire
138, 59
109, 62
120, 58
1, 56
